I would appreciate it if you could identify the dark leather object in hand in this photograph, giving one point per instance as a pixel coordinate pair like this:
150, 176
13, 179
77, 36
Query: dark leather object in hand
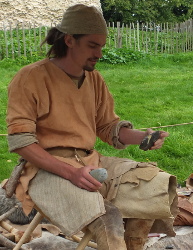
149, 140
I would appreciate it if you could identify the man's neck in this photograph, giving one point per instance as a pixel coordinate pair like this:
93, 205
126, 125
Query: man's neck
64, 65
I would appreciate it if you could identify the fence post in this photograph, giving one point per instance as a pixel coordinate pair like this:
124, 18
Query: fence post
11, 38
126, 37
109, 28
138, 41
147, 39
46, 32
130, 35
24, 39
18, 39
119, 36
6, 44
134, 35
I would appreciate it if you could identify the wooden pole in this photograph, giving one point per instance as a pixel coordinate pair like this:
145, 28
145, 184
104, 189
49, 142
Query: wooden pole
11, 38
24, 40
18, 40
6, 43
126, 37
14, 178
78, 240
34, 223
147, 37
10, 244
119, 36
138, 41
130, 45
85, 239
6, 242
5, 215
30, 43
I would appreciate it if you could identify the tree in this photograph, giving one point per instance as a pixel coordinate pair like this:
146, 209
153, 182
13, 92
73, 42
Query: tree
115, 10
147, 10
184, 10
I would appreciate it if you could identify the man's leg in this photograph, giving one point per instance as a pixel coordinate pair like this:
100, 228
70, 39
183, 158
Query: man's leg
136, 233
108, 229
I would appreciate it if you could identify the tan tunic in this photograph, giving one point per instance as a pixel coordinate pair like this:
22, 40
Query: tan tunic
45, 101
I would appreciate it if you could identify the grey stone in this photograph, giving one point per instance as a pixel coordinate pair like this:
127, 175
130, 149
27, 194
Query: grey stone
100, 174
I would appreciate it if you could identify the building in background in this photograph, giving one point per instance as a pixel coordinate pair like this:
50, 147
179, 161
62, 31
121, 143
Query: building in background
36, 12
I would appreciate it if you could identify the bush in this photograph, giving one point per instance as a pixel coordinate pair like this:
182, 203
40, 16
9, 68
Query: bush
121, 55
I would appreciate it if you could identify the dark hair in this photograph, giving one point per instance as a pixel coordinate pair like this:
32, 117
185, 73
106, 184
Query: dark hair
55, 38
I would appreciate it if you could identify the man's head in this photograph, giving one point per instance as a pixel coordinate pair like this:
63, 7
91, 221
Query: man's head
85, 51
82, 19
80, 36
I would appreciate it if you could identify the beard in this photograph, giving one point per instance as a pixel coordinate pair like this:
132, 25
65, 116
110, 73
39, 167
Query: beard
90, 66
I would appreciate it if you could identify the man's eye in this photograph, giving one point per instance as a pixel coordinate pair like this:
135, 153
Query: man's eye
92, 46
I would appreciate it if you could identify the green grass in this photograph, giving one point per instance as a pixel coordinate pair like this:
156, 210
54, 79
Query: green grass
156, 90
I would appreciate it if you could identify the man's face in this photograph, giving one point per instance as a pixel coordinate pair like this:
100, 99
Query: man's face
87, 50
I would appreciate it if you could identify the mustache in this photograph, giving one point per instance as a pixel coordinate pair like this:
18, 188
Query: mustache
94, 59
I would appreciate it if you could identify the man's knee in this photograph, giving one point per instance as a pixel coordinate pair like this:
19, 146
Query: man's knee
111, 220
108, 229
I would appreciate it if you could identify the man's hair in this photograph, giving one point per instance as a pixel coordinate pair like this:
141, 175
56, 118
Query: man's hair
55, 38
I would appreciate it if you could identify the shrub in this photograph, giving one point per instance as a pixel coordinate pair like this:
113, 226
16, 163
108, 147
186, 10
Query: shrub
121, 55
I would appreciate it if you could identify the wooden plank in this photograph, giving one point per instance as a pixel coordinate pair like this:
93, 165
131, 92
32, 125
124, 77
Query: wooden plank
142, 38
46, 32
18, 39
24, 40
109, 35
35, 38
130, 46
119, 36
126, 36
30, 42
138, 41
6, 42
147, 37
134, 35
11, 40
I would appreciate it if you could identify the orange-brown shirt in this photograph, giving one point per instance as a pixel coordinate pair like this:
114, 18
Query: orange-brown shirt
45, 101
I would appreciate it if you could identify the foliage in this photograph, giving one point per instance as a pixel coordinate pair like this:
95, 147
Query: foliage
147, 10
115, 10
121, 55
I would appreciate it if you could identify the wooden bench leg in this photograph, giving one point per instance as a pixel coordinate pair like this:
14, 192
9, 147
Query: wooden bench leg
85, 240
34, 223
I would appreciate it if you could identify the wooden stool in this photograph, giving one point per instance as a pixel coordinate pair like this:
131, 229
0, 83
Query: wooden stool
85, 241
37, 219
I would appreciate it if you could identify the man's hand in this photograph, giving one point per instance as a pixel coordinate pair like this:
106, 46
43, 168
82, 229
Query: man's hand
82, 179
159, 142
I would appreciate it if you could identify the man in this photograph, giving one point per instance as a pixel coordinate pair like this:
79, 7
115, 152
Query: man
56, 108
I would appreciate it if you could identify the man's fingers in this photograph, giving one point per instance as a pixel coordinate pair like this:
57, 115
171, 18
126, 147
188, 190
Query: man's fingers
164, 134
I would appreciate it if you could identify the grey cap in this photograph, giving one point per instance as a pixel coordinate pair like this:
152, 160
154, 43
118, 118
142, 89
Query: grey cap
82, 19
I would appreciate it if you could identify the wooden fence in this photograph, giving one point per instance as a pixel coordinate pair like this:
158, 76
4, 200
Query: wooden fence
21, 39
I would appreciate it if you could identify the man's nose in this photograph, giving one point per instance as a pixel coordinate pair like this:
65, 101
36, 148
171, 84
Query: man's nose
99, 53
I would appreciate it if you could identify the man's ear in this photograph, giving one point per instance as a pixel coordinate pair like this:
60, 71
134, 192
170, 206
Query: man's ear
69, 40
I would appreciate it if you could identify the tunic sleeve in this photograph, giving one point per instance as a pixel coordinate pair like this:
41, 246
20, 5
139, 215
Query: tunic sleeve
24, 105
106, 119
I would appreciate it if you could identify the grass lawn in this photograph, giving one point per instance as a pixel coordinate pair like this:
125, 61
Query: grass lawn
156, 91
